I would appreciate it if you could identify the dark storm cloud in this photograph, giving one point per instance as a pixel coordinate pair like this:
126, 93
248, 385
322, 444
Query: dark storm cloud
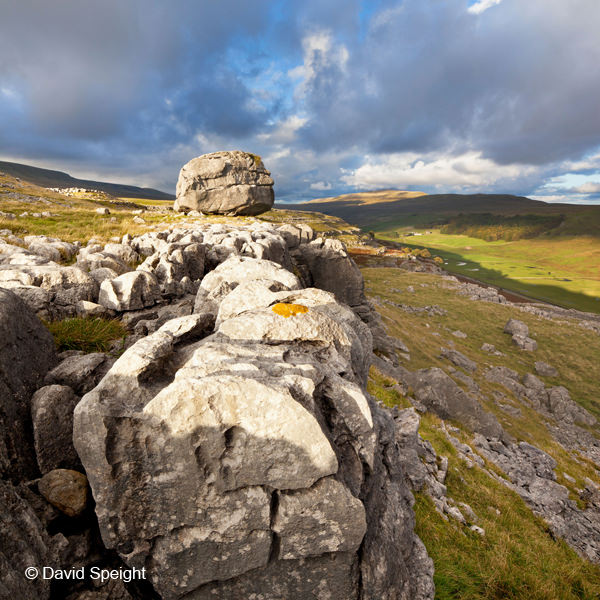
518, 81
134, 73
330, 91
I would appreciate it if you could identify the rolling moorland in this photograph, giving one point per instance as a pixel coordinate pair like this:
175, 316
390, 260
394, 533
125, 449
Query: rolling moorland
501, 548
545, 251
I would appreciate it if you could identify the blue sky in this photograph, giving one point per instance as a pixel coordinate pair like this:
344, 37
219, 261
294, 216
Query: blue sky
336, 96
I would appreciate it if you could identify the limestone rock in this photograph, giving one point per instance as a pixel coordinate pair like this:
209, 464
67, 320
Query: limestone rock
516, 327
439, 393
459, 359
233, 183
66, 489
26, 353
327, 507
25, 543
524, 343
52, 415
130, 291
251, 460
544, 369
331, 269
80, 372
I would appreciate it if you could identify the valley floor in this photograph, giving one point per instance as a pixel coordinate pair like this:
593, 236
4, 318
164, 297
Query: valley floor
560, 270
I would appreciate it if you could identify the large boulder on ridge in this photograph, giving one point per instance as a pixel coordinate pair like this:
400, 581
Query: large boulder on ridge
225, 183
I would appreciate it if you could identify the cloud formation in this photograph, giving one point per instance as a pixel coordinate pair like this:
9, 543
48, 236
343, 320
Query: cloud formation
492, 95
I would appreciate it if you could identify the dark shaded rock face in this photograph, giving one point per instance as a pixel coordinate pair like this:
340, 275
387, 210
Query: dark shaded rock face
225, 183
252, 461
26, 353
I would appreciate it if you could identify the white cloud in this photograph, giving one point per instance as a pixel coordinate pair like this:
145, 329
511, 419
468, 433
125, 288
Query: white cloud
321, 186
284, 132
591, 187
482, 6
320, 52
407, 169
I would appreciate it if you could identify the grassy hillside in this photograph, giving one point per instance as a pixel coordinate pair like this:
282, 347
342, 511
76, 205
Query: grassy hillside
546, 251
517, 558
374, 210
49, 178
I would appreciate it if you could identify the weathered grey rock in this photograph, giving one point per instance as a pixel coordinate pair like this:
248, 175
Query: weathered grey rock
26, 353
173, 265
67, 285
459, 359
525, 343
235, 270
233, 183
102, 273
531, 473
544, 369
331, 269
94, 261
86, 309
80, 372
439, 393
52, 415
25, 543
327, 507
516, 327
564, 408
130, 291
249, 461
66, 489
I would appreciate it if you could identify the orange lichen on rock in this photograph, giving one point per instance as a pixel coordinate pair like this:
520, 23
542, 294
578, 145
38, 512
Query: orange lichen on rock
289, 310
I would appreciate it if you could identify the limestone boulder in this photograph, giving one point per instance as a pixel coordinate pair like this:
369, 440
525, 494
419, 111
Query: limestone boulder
440, 394
251, 460
52, 416
130, 291
26, 353
232, 183
331, 269
25, 544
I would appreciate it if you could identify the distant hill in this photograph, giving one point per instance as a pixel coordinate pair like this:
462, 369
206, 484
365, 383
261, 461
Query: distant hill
49, 178
370, 209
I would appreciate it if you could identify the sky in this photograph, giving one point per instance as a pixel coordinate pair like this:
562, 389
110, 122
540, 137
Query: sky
498, 96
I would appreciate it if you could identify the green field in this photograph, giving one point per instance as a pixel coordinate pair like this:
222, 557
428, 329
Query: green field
561, 270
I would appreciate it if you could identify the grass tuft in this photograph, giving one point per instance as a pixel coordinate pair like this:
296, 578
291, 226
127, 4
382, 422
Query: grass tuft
86, 334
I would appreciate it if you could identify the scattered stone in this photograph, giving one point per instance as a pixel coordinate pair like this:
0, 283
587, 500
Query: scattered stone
139, 220
459, 359
544, 369
478, 530
516, 327
459, 334
524, 343
66, 489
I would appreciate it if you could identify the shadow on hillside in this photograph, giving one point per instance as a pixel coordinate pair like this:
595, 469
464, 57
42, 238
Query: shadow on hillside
554, 294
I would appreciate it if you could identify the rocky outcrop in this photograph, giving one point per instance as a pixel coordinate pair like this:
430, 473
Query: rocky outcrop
25, 544
226, 183
531, 473
438, 392
251, 460
26, 354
